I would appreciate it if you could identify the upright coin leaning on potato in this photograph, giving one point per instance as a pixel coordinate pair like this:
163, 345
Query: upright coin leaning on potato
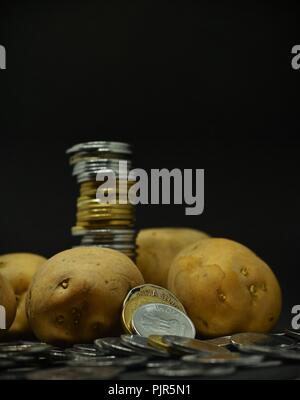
77, 295
157, 247
225, 288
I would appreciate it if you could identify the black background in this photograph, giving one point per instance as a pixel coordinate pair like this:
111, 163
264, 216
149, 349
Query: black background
190, 84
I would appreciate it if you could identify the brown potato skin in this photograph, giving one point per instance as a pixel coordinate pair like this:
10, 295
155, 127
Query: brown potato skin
225, 288
77, 295
19, 269
8, 301
157, 247
20, 328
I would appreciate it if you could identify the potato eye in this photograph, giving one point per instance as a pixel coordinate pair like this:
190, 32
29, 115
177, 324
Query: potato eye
64, 284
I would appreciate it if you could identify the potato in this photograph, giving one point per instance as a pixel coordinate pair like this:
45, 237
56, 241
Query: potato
19, 269
157, 247
20, 327
225, 288
7, 304
77, 295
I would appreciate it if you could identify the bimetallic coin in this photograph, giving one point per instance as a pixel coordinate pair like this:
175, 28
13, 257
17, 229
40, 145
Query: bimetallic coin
162, 319
131, 306
260, 339
188, 345
156, 292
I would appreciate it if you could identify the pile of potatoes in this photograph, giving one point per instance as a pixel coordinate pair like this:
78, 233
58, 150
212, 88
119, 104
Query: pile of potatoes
77, 295
224, 287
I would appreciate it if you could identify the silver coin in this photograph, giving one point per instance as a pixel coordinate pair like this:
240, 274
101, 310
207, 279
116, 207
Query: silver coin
220, 341
101, 146
114, 345
22, 347
271, 352
292, 334
266, 364
227, 358
141, 343
180, 371
163, 363
260, 339
71, 373
189, 345
130, 361
85, 347
162, 319
219, 371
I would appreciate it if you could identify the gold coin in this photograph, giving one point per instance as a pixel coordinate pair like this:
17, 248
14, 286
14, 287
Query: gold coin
132, 305
94, 203
90, 214
151, 292
99, 224
158, 342
155, 291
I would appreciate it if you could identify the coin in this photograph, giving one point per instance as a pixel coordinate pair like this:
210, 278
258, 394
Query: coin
129, 361
28, 347
163, 363
224, 358
220, 341
114, 345
131, 306
149, 293
271, 352
87, 347
154, 291
292, 334
141, 343
88, 160
158, 342
188, 345
219, 371
162, 319
76, 373
101, 146
260, 339
176, 371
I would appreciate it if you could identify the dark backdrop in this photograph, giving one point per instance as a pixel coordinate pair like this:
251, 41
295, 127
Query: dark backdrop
190, 84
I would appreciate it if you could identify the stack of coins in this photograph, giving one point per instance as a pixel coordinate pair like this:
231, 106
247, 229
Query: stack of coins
101, 222
153, 310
